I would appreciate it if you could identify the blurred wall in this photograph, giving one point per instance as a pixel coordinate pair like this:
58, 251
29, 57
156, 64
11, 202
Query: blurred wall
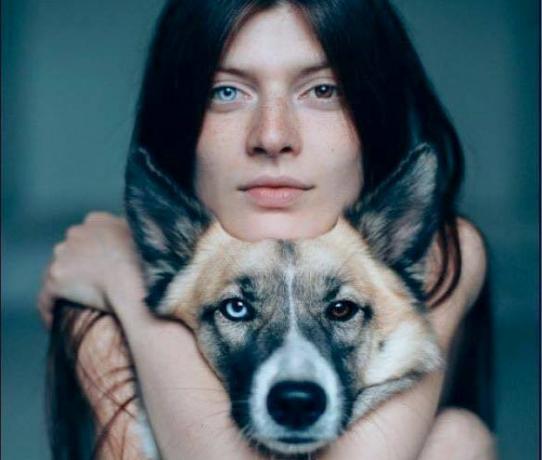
483, 59
71, 74
70, 77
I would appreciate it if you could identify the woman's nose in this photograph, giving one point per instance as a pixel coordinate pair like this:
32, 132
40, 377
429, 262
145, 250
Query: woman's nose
274, 129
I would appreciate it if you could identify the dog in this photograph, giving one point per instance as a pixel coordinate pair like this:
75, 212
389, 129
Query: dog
307, 336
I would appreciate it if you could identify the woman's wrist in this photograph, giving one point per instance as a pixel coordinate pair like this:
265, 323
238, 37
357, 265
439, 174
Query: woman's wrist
125, 293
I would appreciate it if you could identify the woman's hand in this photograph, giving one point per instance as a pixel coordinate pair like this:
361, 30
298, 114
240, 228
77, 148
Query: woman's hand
92, 266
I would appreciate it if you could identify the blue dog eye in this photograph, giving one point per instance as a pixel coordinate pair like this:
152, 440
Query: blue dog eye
236, 310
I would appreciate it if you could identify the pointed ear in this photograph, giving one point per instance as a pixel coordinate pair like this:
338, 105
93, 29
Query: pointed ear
166, 223
399, 219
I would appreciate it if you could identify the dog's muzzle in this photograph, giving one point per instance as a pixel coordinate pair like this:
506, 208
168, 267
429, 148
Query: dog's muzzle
295, 403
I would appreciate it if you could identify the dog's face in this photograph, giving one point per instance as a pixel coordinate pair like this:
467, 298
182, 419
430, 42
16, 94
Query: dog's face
306, 335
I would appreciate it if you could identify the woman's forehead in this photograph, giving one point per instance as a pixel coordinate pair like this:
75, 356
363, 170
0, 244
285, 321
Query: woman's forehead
274, 41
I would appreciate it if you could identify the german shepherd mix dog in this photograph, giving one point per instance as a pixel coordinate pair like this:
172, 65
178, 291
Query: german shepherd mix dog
306, 335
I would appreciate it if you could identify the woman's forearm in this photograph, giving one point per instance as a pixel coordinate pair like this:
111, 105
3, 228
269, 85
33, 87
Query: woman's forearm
398, 429
186, 403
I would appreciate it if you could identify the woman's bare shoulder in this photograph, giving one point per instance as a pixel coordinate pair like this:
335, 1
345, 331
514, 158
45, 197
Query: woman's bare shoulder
473, 261
447, 315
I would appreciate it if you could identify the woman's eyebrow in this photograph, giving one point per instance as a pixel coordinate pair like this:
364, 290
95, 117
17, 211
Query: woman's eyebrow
301, 72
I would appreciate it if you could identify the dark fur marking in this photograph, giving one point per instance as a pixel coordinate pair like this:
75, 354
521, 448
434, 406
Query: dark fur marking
157, 290
414, 286
150, 195
246, 284
348, 384
239, 367
333, 286
287, 250
367, 311
207, 313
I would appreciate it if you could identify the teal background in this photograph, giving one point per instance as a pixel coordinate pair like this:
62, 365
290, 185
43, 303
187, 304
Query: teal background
70, 77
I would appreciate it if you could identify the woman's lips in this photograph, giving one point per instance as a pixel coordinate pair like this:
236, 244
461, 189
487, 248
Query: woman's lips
274, 192
274, 197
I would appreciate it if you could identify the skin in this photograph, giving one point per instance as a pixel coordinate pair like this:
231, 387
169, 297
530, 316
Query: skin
278, 127
270, 114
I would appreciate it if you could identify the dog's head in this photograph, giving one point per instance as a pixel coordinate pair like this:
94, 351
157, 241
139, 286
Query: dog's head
306, 335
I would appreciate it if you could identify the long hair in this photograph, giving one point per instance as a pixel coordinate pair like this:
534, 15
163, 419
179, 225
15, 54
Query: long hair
386, 91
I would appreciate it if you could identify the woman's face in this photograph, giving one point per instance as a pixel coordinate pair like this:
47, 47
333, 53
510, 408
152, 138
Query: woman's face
277, 156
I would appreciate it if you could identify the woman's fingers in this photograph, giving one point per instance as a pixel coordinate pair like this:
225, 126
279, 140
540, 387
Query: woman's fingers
85, 265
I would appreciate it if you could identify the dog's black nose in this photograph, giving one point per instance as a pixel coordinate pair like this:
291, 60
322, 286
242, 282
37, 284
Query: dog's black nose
296, 405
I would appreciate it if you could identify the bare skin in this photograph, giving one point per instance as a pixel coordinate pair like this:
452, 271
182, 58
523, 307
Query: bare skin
271, 119
276, 111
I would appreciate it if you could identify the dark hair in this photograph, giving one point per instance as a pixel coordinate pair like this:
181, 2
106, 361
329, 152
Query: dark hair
388, 95
386, 91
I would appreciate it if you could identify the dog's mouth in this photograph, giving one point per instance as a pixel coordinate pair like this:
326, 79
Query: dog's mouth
297, 440
293, 445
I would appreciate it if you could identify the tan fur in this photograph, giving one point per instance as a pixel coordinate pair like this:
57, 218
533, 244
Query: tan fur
406, 335
396, 321
218, 258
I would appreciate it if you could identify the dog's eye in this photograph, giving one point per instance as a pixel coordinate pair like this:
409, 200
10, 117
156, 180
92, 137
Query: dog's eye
236, 310
341, 310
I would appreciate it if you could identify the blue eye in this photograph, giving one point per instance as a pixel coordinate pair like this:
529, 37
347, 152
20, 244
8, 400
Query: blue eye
236, 310
224, 93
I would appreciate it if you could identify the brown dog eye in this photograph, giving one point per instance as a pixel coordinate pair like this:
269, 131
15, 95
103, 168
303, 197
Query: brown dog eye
342, 310
236, 310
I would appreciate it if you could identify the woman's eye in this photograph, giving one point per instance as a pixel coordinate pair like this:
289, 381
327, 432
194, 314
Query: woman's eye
224, 94
342, 310
325, 91
236, 310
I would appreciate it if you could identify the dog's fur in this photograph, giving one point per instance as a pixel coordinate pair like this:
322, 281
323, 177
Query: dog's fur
264, 314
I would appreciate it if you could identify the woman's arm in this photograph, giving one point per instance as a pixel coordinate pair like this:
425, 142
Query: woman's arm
398, 429
186, 403
188, 406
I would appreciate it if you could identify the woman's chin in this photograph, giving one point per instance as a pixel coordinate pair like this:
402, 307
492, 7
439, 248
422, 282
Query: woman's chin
280, 226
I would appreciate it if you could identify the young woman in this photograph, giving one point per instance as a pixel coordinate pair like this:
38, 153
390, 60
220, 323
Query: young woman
277, 116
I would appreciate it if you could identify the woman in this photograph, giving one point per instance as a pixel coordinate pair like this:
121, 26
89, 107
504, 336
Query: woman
330, 94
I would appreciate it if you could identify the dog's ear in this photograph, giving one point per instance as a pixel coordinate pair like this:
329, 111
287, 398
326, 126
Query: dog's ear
166, 223
399, 219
